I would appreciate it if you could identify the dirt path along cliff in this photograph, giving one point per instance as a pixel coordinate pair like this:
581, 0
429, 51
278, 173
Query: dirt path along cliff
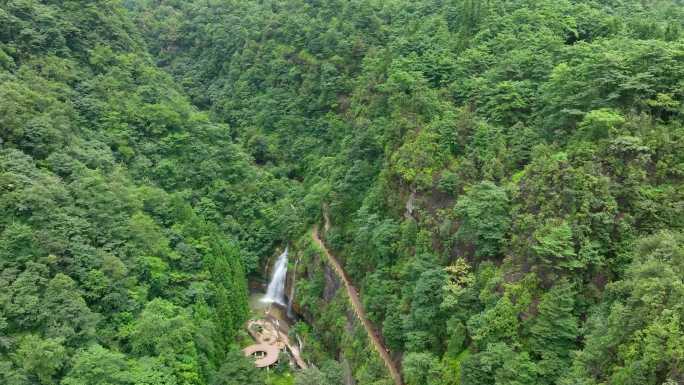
357, 306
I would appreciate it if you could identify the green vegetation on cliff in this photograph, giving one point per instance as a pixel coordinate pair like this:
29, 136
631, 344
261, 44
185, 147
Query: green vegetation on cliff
128, 217
504, 179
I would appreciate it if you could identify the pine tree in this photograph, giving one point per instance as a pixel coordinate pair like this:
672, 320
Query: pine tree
555, 331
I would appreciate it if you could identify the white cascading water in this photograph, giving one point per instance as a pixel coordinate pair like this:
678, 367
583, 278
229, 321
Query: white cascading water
276, 288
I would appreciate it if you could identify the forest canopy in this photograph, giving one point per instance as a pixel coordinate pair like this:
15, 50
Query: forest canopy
504, 181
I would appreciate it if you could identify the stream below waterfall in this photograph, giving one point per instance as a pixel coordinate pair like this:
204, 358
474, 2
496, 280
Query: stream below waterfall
262, 309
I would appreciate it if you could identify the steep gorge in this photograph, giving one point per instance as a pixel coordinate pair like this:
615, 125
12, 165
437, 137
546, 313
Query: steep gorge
505, 181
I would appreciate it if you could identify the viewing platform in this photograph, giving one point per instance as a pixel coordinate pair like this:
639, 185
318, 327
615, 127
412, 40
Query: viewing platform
270, 340
266, 355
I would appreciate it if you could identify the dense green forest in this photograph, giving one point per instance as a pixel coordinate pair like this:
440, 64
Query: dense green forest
129, 217
504, 179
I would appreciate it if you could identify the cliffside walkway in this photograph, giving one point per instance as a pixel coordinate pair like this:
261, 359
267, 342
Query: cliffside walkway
373, 335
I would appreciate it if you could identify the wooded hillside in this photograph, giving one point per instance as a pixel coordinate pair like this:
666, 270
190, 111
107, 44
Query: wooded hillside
504, 180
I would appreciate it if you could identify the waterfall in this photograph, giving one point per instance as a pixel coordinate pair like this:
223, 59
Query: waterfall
276, 288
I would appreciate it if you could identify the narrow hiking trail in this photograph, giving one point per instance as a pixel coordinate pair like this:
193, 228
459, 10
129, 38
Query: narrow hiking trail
373, 334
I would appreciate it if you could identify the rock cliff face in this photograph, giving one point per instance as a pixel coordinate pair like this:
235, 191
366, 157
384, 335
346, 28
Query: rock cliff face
326, 294
306, 272
332, 283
